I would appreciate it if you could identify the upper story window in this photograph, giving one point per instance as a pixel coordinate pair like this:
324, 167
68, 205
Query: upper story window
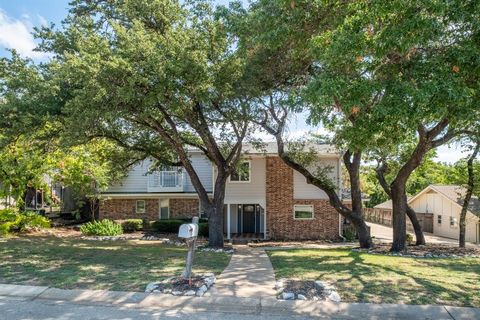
242, 174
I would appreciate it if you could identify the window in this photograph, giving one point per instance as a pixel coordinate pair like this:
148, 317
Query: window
303, 212
140, 206
439, 219
242, 174
453, 222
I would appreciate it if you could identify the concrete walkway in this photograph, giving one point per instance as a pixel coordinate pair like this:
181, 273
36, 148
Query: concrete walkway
249, 274
42, 303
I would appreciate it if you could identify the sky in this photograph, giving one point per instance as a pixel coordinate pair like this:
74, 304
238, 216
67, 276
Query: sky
19, 17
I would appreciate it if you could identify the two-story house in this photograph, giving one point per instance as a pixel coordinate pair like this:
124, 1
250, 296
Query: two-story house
266, 198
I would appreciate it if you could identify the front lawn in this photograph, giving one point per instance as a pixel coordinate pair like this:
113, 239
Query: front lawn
114, 265
362, 277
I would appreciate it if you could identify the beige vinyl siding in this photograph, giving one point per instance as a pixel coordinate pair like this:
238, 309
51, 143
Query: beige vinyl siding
437, 204
303, 190
203, 168
251, 192
135, 181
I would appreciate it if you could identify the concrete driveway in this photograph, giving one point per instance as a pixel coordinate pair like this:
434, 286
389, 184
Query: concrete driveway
385, 234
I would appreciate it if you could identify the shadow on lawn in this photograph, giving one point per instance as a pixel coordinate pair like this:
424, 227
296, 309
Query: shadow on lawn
114, 265
367, 281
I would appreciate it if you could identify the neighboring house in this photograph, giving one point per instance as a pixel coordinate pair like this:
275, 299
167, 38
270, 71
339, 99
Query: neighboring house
445, 203
438, 209
382, 214
267, 198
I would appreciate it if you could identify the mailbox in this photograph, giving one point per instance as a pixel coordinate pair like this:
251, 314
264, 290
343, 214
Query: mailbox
188, 230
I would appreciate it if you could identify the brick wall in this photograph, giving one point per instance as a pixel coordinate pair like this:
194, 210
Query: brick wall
183, 208
125, 209
280, 202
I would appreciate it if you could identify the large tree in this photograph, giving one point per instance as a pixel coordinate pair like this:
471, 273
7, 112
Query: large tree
155, 76
276, 39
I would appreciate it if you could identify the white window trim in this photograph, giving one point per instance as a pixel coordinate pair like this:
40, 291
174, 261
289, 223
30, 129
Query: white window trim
304, 205
249, 174
144, 206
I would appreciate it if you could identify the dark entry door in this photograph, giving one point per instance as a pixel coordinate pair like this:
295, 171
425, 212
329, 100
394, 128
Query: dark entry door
248, 218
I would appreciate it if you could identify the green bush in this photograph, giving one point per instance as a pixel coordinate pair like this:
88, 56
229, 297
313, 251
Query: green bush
132, 225
101, 228
203, 229
172, 226
167, 226
11, 220
33, 220
409, 238
7, 215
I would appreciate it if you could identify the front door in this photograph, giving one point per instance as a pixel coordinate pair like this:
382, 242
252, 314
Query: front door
249, 218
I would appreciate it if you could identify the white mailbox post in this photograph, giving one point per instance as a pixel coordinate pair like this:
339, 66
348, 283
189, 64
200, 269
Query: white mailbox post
189, 231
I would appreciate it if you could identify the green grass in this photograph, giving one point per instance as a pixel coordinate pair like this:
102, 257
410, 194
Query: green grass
362, 277
114, 265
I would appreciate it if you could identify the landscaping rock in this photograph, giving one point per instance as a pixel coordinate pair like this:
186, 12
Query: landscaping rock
189, 293
152, 286
334, 297
178, 286
288, 296
301, 297
200, 292
319, 285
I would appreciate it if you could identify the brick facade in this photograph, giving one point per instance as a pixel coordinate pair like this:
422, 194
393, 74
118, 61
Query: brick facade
183, 208
119, 209
280, 202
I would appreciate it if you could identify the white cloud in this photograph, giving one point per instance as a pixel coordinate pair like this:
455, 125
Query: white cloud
16, 34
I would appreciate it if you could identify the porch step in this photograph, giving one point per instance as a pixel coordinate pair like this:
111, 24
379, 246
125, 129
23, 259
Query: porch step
239, 241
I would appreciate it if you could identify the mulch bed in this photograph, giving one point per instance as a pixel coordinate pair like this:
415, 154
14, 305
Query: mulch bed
306, 288
180, 284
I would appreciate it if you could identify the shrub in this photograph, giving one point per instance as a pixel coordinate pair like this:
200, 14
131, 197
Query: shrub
167, 226
101, 228
203, 229
33, 220
409, 238
11, 220
132, 225
8, 215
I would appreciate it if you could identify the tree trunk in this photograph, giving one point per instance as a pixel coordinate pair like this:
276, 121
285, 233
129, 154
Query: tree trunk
412, 215
215, 226
215, 211
399, 225
468, 196
417, 227
363, 232
352, 163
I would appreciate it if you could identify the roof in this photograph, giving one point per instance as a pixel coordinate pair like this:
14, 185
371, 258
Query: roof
384, 205
266, 148
454, 193
388, 204
457, 194
271, 148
